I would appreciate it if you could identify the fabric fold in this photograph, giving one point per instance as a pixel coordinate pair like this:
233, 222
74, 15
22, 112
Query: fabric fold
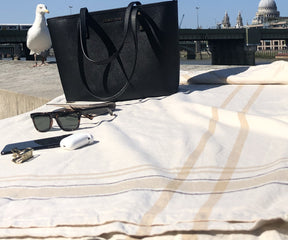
273, 73
205, 159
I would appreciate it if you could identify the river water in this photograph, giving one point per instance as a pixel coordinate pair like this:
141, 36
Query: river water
258, 61
182, 61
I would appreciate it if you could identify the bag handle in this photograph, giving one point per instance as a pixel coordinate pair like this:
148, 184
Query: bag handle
84, 33
130, 18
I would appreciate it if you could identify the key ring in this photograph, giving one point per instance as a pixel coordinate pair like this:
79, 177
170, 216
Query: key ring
21, 156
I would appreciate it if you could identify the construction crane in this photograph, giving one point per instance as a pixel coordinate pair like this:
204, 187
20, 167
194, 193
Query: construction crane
181, 20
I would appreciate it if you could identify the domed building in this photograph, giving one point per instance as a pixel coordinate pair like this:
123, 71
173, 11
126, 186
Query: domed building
267, 11
268, 16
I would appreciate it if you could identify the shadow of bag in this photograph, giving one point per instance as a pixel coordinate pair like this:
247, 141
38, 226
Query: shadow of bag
119, 54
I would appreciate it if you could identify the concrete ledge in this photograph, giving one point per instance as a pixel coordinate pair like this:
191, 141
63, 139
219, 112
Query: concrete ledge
12, 104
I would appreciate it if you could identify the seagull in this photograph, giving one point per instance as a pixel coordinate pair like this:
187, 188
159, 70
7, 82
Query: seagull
38, 37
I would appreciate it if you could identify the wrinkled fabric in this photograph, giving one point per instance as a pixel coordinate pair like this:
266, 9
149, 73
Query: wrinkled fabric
208, 159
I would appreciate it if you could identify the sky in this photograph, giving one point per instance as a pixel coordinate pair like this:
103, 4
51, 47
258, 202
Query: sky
208, 12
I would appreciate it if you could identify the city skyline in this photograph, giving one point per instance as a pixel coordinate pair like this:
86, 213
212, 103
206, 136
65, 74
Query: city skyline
202, 13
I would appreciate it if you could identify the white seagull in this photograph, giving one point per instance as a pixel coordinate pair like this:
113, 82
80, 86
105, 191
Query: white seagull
38, 37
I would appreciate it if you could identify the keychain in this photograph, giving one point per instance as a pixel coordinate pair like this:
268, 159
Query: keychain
22, 156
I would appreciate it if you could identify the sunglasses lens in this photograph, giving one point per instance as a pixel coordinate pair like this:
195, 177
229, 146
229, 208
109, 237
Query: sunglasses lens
42, 123
68, 122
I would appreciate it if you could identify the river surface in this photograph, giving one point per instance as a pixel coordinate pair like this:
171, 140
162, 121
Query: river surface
182, 61
258, 61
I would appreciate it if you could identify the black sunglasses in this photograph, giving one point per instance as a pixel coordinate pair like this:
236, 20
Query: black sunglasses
68, 120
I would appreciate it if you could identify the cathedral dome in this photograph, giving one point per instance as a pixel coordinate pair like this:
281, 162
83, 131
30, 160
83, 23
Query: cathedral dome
267, 10
267, 4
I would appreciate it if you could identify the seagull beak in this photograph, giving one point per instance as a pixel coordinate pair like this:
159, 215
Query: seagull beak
47, 11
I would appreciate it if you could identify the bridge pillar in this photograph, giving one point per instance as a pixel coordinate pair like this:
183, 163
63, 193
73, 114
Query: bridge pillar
189, 47
17, 52
232, 52
191, 54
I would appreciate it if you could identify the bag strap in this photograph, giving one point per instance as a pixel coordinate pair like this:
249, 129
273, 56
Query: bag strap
84, 32
130, 18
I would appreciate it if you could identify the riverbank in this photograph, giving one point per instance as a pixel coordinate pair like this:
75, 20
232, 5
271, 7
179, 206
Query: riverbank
22, 77
24, 87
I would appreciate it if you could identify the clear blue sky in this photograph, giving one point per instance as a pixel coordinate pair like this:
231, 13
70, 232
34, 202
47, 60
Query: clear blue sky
210, 11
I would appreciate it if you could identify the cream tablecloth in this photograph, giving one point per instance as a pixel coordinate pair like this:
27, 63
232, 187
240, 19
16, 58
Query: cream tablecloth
208, 161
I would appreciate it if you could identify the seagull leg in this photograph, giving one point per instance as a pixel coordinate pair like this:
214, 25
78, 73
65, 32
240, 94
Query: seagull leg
43, 61
35, 58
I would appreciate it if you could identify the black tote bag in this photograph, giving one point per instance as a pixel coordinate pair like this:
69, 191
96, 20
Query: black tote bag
119, 54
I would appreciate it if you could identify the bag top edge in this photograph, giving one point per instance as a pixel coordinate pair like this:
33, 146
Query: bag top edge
121, 9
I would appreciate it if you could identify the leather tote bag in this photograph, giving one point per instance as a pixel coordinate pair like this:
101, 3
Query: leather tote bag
119, 54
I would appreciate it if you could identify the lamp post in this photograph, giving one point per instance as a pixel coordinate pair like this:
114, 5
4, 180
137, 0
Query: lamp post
70, 7
197, 9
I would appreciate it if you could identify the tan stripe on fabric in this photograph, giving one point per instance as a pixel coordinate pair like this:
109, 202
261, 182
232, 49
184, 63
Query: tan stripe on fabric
164, 199
253, 98
223, 185
207, 169
204, 212
189, 237
165, 196
231, 96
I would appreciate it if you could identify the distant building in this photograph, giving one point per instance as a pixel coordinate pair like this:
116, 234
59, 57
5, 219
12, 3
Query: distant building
267, 11
268, 16
226, 21
239, 22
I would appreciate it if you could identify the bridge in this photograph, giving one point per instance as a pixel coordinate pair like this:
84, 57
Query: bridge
13, 40
231, 46
228, 46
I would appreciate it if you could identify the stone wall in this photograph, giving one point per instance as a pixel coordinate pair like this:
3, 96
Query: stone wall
12, 104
